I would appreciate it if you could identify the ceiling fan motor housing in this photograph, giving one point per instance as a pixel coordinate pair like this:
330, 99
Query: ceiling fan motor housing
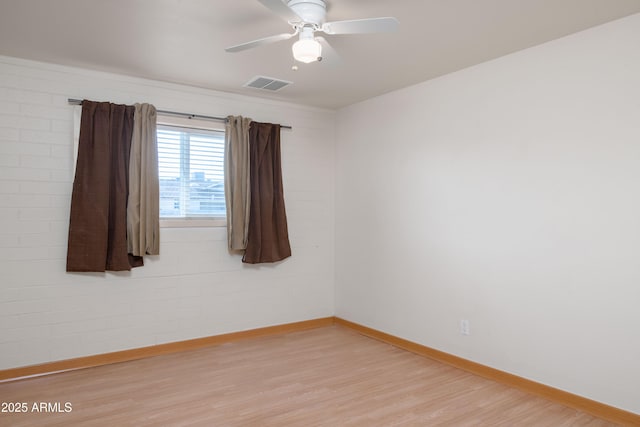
311, 11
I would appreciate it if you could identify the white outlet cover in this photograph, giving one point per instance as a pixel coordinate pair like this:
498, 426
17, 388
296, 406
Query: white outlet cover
464, 327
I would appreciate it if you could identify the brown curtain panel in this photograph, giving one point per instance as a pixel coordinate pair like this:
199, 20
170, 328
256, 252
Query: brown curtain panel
268, 236
98, 223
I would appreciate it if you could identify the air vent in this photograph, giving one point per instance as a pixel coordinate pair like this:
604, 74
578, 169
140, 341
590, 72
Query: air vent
267, 83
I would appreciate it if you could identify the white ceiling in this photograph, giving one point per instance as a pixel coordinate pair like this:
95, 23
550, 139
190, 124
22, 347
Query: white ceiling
183, 41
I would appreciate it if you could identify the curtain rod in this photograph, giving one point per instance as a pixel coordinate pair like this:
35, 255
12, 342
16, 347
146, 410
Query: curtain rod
175, 113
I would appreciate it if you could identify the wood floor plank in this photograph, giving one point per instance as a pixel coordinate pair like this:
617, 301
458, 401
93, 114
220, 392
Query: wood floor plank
330, 376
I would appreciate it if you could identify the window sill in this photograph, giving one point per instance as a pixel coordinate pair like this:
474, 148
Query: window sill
192, 222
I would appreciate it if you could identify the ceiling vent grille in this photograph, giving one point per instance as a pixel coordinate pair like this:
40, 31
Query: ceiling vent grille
267, 83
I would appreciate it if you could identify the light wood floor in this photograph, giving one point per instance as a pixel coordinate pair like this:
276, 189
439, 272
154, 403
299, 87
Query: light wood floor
323, 377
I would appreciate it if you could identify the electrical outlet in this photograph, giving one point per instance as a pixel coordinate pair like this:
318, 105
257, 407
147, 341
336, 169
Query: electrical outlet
464, 327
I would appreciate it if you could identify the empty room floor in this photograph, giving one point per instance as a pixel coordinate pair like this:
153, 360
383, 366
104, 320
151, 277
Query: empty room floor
329, 376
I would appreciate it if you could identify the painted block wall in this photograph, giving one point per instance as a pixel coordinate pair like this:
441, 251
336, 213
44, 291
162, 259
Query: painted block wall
194, 288
507, 194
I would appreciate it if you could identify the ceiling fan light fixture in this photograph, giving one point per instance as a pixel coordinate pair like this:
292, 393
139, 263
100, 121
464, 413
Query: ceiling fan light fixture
306, 17
307, 50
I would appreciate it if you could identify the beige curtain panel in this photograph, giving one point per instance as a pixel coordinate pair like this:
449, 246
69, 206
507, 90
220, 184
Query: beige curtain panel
236, 181
143, 206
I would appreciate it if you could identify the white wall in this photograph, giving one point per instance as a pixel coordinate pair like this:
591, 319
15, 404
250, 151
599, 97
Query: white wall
507, 194
194, 288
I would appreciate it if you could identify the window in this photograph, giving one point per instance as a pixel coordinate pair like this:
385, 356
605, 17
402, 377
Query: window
191, 173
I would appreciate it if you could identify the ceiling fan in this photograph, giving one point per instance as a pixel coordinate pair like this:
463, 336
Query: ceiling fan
307, 17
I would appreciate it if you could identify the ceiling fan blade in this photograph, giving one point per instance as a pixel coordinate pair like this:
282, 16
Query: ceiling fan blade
329, 54
279, 8
361, 26
259, 42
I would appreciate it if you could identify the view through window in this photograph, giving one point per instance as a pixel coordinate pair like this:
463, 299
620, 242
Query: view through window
191, 172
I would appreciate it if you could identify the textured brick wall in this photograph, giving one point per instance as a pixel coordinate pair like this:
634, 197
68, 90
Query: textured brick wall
194, 288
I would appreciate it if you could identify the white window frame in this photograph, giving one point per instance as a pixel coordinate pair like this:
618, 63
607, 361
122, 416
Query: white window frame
169, 120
